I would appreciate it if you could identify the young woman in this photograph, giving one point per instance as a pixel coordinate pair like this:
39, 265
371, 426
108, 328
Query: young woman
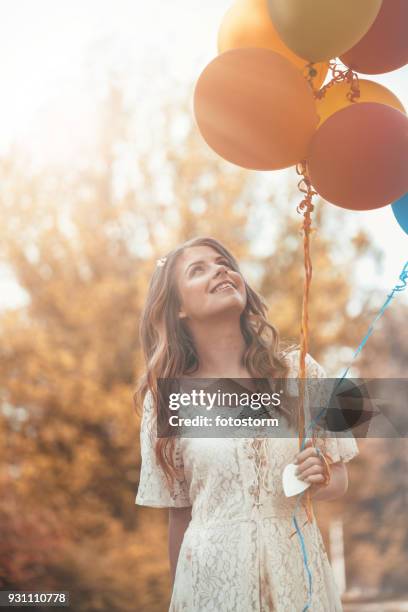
231, 543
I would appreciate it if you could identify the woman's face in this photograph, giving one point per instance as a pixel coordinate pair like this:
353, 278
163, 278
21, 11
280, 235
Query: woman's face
207, 285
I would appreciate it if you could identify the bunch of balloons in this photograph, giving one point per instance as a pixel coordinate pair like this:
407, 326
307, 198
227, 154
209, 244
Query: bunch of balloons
261, 103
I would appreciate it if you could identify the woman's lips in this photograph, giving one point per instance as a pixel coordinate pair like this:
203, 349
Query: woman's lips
223, 287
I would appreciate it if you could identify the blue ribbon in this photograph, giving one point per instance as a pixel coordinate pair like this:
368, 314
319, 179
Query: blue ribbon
304, 554
403, 277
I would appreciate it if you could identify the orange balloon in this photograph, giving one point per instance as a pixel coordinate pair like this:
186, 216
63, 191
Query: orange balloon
336, 98
385, 46
248, 24
255, 109
358, 158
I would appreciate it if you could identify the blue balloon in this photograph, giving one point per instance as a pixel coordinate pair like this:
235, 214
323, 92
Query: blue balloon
400, 210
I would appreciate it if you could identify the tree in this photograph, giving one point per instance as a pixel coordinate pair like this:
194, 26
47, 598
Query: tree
82, 245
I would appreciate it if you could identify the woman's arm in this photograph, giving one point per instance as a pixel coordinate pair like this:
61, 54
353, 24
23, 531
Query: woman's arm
179, 519
310, 469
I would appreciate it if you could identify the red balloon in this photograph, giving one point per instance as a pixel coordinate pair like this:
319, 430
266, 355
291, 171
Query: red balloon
385, 46
255, 109
358, 158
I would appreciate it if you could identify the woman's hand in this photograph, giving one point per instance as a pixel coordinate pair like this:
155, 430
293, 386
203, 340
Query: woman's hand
311, 469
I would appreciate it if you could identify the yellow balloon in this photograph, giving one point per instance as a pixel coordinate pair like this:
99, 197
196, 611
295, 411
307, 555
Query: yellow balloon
248, 24
319, 30
336, 98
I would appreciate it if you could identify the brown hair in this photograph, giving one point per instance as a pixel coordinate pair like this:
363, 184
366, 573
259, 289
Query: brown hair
168, 346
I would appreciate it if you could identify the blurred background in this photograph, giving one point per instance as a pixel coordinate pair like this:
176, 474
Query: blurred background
102, 171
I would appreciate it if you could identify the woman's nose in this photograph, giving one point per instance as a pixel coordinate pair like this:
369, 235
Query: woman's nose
221, 268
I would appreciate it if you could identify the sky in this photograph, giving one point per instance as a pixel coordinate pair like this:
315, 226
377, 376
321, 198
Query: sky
50, 53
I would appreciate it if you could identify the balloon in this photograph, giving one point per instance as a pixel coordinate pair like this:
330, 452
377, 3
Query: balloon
385, 46
254, 108
319, 30
336, 97
358, 158
400, 210
248, 24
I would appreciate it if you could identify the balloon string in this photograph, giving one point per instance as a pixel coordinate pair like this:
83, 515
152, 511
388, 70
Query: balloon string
339, 75
306, 208
403, 277
304, 555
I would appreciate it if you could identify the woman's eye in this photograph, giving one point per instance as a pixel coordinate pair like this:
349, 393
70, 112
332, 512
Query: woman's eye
196, 268
200, 267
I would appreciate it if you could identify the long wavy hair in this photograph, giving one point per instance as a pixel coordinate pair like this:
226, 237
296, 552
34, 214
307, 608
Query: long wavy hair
168, 345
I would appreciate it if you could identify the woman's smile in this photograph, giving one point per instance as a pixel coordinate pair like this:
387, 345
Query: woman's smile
223, 286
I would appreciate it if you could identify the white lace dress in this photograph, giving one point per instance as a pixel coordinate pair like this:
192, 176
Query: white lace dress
237, 554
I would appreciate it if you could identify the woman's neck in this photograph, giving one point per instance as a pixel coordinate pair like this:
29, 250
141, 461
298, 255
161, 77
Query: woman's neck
220, 349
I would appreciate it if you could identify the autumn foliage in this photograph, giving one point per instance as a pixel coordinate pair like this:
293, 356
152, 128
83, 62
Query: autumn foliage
82, 247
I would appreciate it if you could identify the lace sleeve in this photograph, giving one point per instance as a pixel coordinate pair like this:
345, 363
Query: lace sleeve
341, 446
154, 489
